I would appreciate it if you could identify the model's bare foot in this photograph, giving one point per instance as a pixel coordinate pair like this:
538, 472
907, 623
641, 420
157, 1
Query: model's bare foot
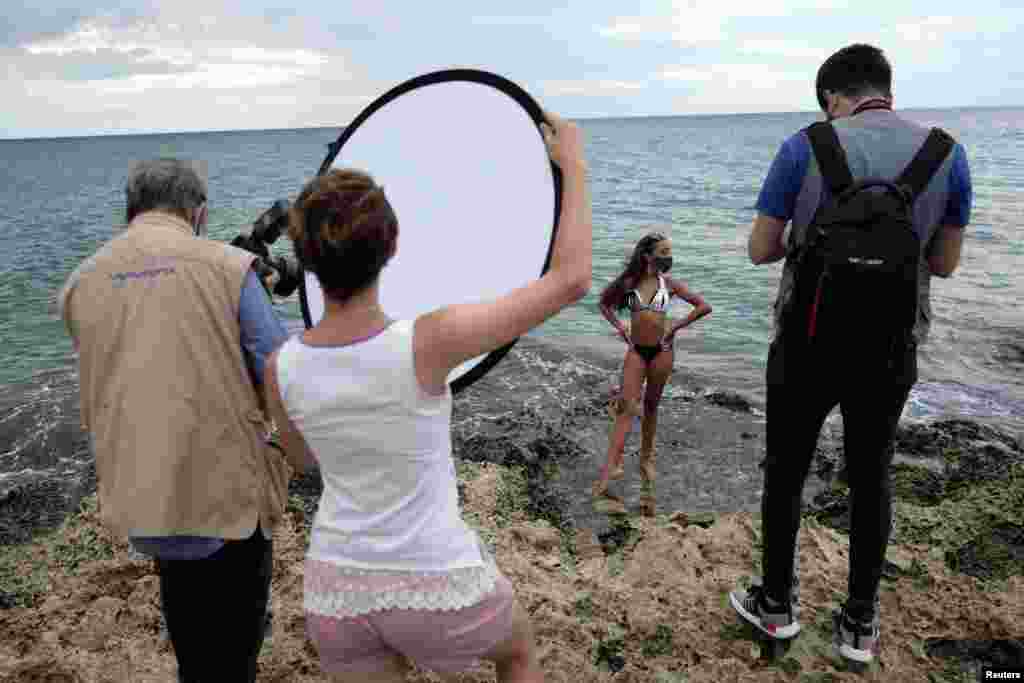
609, 504
648, 474
647, 505
647, 470
618, 470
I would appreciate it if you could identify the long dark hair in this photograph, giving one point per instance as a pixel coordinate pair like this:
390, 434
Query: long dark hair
614, 295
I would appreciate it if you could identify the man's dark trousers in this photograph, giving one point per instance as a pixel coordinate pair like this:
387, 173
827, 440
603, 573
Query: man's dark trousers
216, 610
803, 386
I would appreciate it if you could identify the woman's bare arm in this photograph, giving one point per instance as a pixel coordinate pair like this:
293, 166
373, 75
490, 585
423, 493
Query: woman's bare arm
296, 449
701, 307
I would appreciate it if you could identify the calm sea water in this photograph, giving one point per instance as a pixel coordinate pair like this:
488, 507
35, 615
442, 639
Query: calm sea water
696, 177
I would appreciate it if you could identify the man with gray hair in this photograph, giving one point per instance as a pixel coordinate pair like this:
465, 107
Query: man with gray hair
172, 331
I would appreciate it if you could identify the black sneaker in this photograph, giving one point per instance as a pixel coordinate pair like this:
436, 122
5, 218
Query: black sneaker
855, 640
776, 622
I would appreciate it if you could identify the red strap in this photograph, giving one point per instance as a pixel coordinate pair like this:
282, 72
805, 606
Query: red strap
812, 324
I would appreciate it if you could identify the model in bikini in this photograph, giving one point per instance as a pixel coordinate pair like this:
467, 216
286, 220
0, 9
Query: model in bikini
645, 289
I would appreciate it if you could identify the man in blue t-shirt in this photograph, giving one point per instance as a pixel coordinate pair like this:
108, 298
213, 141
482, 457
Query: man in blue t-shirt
854, 88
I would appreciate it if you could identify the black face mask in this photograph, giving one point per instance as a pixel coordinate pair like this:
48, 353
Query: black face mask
663, 264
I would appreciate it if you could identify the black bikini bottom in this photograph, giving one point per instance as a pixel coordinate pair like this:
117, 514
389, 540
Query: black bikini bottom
648, 353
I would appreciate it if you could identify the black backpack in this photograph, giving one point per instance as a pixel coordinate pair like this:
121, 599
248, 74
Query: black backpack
856, 274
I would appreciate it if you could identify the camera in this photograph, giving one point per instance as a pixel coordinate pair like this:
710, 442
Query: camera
285, 272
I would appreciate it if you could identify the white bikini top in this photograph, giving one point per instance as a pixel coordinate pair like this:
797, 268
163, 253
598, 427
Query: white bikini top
659, 302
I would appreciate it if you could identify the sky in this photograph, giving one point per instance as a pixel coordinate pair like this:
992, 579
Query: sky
105, 67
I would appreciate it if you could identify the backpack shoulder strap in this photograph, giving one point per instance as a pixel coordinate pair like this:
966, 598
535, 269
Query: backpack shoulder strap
926, 162
830, 155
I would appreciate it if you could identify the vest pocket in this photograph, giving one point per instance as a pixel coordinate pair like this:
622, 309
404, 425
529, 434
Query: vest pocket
277, 474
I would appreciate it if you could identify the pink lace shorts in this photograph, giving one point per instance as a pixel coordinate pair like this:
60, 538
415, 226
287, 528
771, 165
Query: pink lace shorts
445, 641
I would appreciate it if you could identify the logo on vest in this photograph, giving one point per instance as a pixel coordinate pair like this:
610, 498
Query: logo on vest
153, 267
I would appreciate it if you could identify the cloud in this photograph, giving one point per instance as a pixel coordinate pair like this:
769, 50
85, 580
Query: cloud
751, 74
590, 88
739, 87
169, 55
929, 30
21, 22
101, 64
97, 65
683, 27
937, 30
146, 73
696, 22
790, 49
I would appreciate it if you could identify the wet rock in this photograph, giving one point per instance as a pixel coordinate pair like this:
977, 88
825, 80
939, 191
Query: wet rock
534, 447
832, 508
918, 484
1011, 352
617, 537
996, 555
985, 462
944, 439
307, 485
1007, 654
899, 562
304, 491
31, 508
730, 400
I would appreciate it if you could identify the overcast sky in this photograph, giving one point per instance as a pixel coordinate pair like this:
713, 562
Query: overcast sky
182, 65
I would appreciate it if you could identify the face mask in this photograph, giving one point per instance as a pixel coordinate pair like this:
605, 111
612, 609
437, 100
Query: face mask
663, 263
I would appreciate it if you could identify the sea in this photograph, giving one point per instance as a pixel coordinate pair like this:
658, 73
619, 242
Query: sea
696, 177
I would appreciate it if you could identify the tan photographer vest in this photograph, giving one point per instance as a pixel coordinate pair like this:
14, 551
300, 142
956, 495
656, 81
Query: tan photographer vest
175, 421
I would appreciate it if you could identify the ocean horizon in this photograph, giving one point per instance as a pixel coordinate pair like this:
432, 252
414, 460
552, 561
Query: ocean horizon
696, 176
200, 131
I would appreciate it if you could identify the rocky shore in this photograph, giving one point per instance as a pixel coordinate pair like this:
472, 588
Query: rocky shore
621, 598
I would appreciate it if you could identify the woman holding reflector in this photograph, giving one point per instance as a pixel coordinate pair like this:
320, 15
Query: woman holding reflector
392, 569
646, 290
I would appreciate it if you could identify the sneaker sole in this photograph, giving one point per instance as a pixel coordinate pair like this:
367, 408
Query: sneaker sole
781, 633
609, 506
855, 655
846, 651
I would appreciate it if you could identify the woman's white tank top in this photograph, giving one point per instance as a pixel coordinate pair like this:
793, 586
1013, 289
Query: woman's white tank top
390, 500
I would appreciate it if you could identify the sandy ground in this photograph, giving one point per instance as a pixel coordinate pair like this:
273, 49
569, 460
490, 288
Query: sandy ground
652, 609
621, 598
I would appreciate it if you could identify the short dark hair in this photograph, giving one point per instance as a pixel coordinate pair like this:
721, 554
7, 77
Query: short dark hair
855, 70
344, 230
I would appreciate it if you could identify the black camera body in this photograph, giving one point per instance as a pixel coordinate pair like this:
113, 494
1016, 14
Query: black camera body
265, 231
